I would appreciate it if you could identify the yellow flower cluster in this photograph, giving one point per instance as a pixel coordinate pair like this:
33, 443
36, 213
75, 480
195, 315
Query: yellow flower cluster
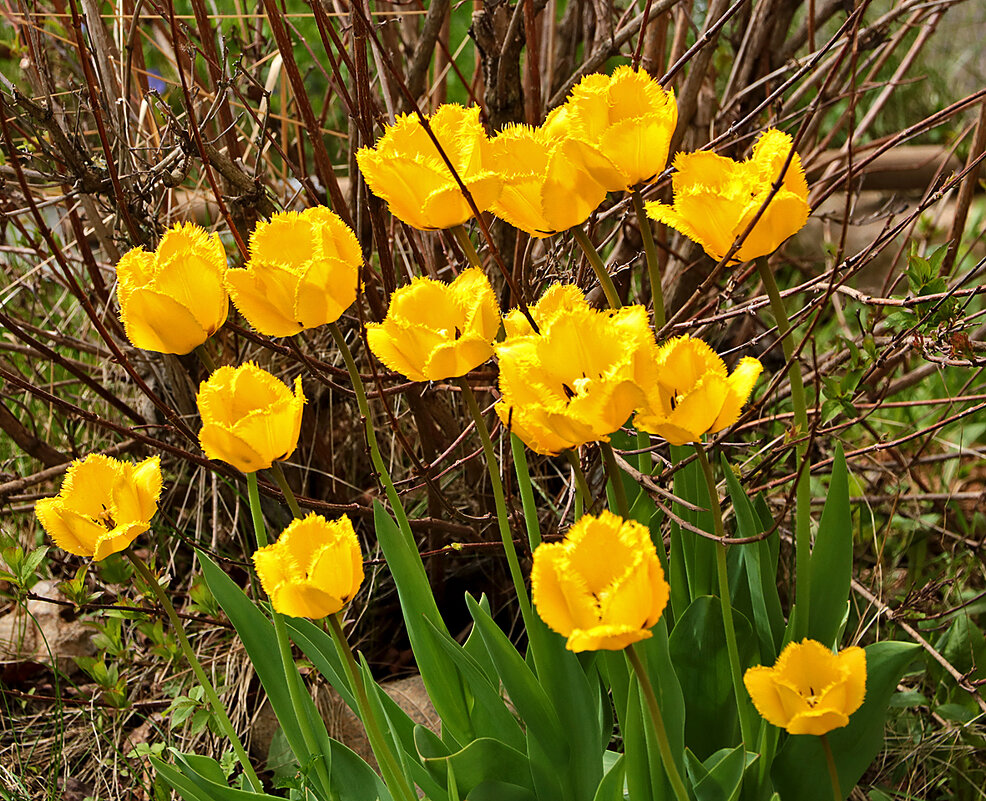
613, 133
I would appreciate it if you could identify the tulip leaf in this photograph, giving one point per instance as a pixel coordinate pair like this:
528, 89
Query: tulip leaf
720, 777
758, 569
700, 658
527, 696
501, 791
613, 785
488, 715
831, 559
192, 785
576, 699
799, 769
446, 686
697, 551
483, 760
257, 634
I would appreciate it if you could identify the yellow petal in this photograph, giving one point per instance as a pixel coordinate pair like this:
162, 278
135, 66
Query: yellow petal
447, 207
264, 293
117, 540
562, 602
69, 530
763, 689
405, 184
304, 600
598, 553
569, 194
327, 288
159, 323
287, 238
453, 359
222, 444
400, 349
785, 215
135, 493
852, 664
740, 385
817, 721
606, 638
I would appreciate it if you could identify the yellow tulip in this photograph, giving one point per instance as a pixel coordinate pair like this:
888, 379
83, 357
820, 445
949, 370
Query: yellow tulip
548, 185
692, 394
809, 690
435, 331
406, 169
173, 299
716, 199
250, 419
102, 506
628, 118
602, 587
303, 272
579, 378
314, 569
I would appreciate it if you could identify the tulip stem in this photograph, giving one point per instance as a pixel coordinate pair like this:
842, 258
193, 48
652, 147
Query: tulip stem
725, 601
291, 675
282, 482
206, 358
653, 268
462, 237
581, 484
210, 692
802, 528
526, 491
833, 770
663, 744
389, 765
616, 479
371, 438
609, 288
501, 505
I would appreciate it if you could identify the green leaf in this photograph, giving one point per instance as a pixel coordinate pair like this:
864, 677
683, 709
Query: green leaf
613, 785
446, 686
719, 777
201, 779
258, 635
758, 567
698, 652
483, 760
830, 568
488, 715
799, 770
526, 694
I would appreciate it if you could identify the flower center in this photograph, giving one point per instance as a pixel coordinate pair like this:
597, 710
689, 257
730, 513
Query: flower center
105, 518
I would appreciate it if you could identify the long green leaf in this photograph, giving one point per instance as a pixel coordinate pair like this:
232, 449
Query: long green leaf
831, 559
257, 634
445, 684
529, 699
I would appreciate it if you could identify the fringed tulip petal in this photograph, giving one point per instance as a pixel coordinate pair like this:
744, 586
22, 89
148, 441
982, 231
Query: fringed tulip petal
313, 569
690, 393
303, 272
435, 331
250, 418
408, 171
